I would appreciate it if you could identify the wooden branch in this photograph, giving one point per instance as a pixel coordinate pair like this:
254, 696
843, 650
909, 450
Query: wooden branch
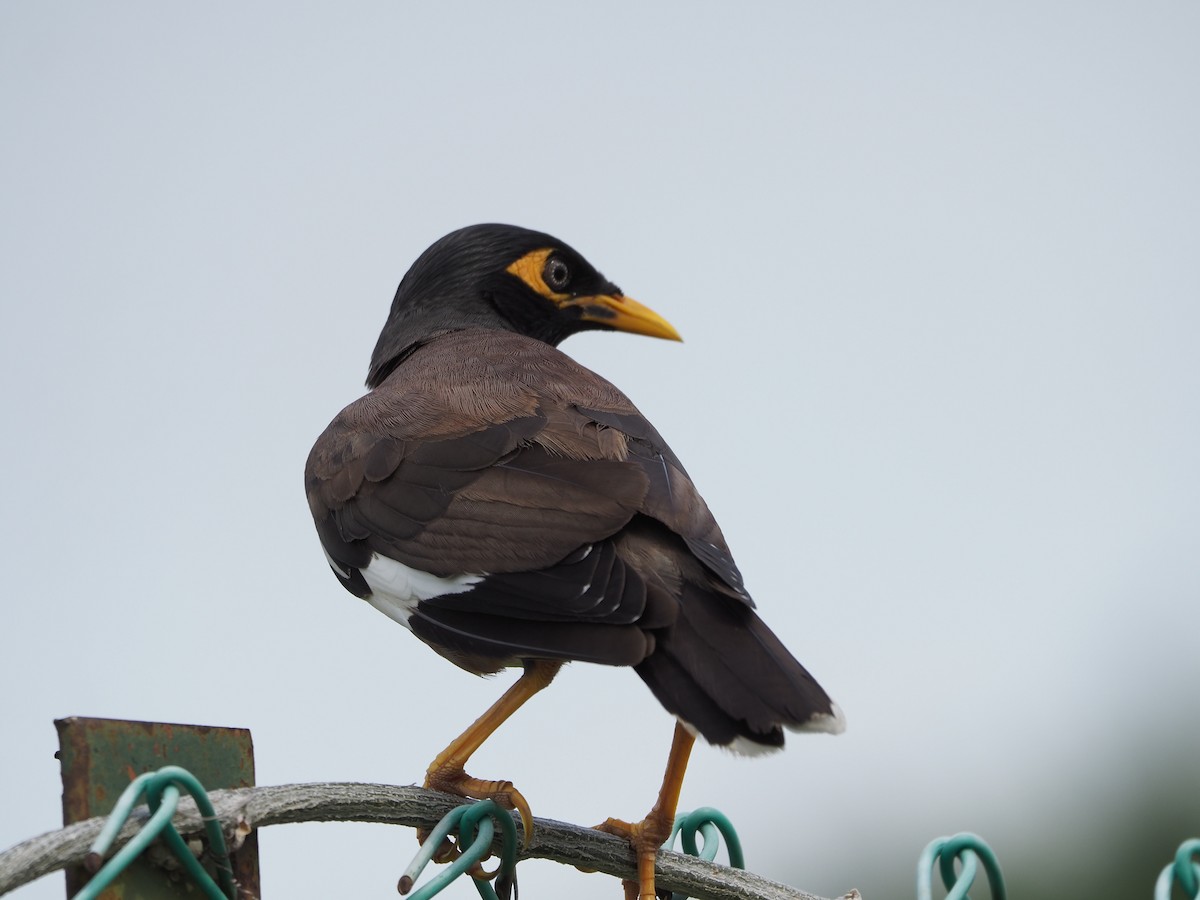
245, 809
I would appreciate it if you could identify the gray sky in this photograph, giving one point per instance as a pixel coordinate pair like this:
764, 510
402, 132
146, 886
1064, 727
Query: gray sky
936, 270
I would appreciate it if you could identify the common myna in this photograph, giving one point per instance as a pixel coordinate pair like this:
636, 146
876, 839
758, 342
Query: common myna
512, 508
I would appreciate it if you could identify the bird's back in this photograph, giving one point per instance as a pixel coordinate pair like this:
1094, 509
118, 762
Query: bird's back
557, 524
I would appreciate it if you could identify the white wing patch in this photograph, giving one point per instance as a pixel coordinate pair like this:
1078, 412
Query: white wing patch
396, 589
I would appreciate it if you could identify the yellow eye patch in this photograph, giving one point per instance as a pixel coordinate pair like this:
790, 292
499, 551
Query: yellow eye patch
529, 269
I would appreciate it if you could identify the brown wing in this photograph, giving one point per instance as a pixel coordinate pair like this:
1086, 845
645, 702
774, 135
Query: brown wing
508, 464
501, 468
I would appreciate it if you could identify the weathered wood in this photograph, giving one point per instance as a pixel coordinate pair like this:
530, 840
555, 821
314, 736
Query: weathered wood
246, 809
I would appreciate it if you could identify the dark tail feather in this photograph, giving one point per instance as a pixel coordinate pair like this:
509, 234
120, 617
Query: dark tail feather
723, 672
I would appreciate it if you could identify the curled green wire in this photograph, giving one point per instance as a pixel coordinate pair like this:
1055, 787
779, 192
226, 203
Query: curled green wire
709, 823
474, 824
970, 849
1185, 870
161, 792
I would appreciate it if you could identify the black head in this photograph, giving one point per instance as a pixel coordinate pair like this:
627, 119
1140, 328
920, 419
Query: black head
504, 277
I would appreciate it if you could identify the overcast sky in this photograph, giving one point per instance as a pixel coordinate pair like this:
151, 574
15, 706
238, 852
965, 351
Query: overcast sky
936, 267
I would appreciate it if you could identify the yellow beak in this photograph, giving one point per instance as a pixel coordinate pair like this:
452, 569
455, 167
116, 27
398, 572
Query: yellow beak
624, 314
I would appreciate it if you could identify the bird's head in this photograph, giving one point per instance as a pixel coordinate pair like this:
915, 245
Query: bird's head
504, 277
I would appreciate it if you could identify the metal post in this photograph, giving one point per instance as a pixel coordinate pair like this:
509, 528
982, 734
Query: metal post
100, 757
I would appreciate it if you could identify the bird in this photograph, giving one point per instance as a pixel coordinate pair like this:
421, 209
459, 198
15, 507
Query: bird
514, 509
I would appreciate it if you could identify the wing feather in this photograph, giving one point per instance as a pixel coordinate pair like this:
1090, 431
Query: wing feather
531, 490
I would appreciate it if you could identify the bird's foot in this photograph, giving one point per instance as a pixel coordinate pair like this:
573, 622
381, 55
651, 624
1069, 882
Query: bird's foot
646, 837
453, 780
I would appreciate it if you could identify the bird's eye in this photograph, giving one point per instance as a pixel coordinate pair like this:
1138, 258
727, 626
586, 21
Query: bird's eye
556, 274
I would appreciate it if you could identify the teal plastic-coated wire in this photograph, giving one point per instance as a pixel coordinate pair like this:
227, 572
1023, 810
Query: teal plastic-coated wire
970, 850
1185, 870
161, 792
709, 823
474, 824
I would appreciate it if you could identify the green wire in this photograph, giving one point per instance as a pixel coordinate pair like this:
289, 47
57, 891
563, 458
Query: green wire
170, 777
474, 823
709, 822
127, 854
161, 791
970, 849
1185, 870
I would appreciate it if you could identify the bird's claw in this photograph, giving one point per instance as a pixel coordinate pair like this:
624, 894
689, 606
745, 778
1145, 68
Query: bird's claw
447, 851
517, 801
456, 781
646, 837
618, 827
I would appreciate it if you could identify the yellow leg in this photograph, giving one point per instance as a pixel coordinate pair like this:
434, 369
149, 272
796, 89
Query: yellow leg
446, 773
649, 834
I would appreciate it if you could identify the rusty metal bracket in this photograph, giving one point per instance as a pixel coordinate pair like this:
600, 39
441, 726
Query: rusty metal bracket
101, 757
